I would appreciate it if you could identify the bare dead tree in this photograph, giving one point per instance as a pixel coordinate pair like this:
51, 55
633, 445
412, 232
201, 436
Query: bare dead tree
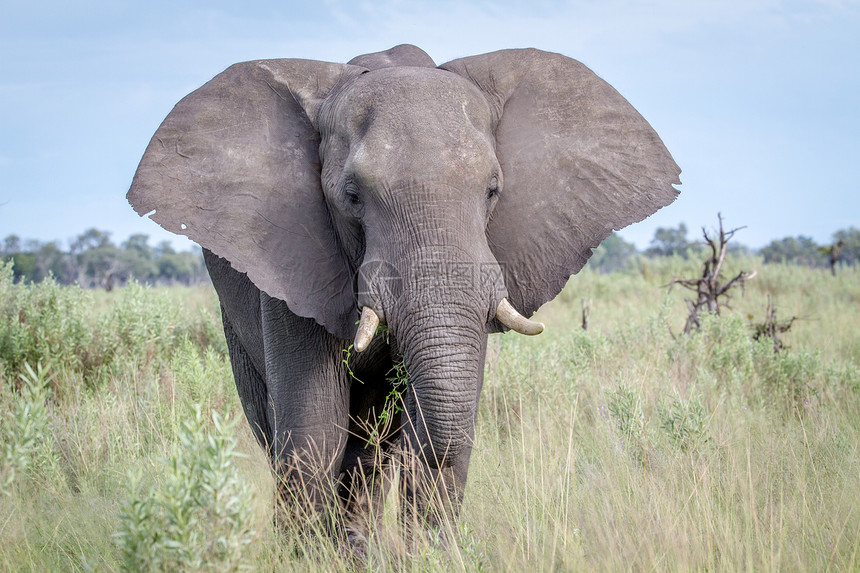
832, 253
711, 292
771, 327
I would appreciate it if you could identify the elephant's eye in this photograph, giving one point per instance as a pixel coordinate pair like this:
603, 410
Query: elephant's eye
350, 202
493, 187
351, 193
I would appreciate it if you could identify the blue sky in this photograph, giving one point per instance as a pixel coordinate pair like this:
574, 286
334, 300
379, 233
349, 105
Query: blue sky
758, 100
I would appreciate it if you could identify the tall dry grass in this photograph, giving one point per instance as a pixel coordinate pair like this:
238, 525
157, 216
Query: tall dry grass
626, 447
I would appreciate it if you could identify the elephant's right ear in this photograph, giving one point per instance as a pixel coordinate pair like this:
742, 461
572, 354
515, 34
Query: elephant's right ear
235, 167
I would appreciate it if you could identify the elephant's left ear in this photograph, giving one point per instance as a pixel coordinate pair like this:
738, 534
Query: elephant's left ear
578, 162
235, 167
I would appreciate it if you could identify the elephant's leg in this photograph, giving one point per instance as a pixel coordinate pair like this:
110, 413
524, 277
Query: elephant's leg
250, 386
240, 316
368, 472
308, 397
374, 433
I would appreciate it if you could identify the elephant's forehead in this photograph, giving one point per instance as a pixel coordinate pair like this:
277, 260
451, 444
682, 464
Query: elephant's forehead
431, 153
427, 123
401, 100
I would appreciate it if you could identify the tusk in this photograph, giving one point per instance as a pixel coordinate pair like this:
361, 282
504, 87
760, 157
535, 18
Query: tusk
509, 316
366, 329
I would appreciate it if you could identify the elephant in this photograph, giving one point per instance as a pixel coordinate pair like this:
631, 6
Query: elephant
383, 213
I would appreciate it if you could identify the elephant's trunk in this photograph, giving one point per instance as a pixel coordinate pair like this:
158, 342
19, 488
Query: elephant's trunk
443, 350
437, 291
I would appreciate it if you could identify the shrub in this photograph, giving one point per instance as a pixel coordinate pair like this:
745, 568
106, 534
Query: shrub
24, 429
683, 421
625, 408
44, 323
198, 518
88, 337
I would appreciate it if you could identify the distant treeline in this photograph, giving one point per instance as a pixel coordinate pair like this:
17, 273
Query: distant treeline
615, 253
93, 260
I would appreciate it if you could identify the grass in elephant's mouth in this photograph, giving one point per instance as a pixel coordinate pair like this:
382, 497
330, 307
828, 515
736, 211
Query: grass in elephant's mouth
616, 448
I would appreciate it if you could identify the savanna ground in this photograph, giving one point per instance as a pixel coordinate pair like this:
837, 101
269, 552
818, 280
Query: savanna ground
618, 448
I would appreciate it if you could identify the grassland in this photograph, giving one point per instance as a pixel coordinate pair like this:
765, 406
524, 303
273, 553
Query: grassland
624, 447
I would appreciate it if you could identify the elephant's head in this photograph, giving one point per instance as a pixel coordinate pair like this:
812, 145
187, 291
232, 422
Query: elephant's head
427, 195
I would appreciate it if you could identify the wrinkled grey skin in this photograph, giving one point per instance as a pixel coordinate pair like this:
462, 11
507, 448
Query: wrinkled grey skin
425, 193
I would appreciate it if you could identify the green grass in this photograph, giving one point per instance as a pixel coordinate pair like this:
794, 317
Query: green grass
626, 447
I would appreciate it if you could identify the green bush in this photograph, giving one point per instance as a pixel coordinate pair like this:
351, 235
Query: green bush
45, 323
198, 518
88, 338
683, 421
24, 430
628, 418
